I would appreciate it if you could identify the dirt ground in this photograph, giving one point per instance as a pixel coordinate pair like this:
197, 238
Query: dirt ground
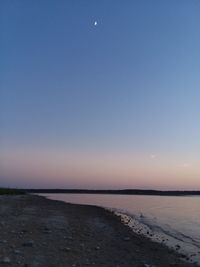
37, 232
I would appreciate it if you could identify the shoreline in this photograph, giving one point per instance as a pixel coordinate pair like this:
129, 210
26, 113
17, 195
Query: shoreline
143, 223
189, 251
39, 232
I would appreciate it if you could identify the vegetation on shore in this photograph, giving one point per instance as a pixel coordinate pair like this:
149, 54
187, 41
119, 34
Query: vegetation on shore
11, 191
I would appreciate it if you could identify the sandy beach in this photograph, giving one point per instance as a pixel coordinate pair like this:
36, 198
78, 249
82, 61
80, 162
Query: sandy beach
37, 232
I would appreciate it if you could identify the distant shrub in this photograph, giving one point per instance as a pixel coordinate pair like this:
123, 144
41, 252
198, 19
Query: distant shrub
11, 191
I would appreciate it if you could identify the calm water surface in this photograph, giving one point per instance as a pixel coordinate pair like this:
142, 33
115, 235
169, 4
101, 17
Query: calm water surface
172, 220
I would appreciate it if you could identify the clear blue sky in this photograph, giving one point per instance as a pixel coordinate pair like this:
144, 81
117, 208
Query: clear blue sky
127, 87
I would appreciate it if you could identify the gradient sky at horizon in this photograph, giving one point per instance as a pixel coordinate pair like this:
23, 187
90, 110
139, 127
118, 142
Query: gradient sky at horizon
111, 105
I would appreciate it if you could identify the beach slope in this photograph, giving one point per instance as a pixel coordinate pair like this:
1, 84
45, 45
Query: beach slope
37, 232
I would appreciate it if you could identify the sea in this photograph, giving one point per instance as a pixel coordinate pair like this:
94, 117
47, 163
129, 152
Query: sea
172, 220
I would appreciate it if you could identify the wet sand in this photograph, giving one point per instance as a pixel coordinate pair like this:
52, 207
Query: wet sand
37, 232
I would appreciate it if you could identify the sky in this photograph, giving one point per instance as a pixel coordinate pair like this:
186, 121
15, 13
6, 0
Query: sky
100, 94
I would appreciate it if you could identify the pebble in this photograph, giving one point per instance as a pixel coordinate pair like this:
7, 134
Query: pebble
6, 260
16, 251
126, 238
28, 243
177, 247
47, 231
66, 249
87, 262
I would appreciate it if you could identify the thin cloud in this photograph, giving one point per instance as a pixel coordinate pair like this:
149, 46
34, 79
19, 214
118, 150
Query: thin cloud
186, 165
153, 156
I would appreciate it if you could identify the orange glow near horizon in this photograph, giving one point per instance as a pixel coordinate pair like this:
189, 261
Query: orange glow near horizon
50, 168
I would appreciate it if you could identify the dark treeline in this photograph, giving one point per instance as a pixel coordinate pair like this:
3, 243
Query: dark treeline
117, 192
11, 191
90, 191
